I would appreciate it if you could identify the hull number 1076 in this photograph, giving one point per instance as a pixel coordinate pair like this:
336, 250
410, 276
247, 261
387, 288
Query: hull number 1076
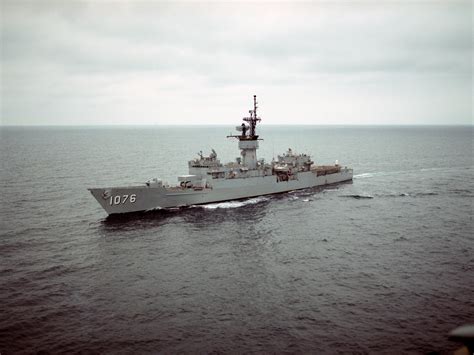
121, 199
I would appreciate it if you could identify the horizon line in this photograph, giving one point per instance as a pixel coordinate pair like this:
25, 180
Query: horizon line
227, 125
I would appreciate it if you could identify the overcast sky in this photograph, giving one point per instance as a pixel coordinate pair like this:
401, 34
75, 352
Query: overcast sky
151, 62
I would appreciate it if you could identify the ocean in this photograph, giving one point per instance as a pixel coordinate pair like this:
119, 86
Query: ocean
383, 264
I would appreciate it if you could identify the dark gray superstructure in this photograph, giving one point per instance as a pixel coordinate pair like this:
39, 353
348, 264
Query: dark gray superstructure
208, 180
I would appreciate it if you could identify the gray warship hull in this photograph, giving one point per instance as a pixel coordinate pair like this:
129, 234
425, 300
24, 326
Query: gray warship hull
115, 200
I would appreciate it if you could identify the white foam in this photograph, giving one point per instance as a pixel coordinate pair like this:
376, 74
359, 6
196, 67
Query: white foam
365, 175
234, 204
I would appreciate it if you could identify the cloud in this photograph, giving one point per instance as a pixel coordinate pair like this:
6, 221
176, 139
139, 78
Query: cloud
156, 62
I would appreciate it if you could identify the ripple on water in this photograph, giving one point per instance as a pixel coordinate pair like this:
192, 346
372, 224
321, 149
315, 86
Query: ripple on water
379, 265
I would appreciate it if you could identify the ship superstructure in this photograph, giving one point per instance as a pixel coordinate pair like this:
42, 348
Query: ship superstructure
208, 180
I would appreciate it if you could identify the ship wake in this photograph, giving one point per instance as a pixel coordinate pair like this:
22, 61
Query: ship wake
233, 204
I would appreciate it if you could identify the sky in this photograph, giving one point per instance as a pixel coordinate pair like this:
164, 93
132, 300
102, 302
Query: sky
154, 62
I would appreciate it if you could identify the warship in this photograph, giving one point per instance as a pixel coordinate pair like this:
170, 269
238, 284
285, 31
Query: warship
210, 181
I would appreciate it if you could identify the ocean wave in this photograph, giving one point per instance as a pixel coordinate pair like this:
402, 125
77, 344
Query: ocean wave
357, 196
393, 194
409, 171
461, 192
428, 193
406, 194
326, 190
364, 175
233, 204
403, 194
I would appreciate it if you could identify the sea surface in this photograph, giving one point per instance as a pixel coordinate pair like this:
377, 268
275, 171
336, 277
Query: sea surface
384, 264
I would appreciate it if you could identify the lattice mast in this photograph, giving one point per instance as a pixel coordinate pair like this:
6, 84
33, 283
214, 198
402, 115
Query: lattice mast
248, 143
253, 119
